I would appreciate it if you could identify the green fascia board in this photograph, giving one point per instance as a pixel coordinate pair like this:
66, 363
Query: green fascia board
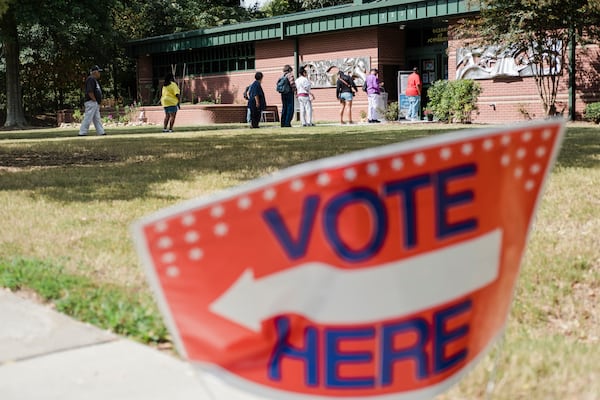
348, 16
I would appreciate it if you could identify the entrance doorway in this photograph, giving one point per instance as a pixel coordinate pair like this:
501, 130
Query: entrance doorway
427, 50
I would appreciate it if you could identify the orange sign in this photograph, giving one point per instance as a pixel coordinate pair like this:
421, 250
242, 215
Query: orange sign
375, 274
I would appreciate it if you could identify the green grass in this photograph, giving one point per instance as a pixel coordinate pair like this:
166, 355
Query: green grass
66, 204
107, 306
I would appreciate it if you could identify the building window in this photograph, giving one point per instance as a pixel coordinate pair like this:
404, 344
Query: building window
211, 60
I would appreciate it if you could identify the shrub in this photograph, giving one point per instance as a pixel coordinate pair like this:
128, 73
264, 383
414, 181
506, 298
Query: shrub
592, 112
453, 101
391, 114
77, 116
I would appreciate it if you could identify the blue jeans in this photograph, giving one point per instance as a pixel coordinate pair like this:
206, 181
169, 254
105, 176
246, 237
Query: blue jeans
287, 108
413, 106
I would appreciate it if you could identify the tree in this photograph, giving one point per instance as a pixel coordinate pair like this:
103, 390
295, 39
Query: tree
313, 4
10, 44
138, 19
47, 47
50, 41
282, 7
541, 31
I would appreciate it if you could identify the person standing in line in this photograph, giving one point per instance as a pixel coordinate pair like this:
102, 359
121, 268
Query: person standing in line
344, 91
256, 100
373, 91
305, 97
413, 92
248, 113
170, 101
287, 99
93, 98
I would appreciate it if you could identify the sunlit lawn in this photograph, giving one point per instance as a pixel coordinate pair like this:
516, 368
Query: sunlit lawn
66, 203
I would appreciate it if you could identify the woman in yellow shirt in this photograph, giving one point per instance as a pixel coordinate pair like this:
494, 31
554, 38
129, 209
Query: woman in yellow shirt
170, 101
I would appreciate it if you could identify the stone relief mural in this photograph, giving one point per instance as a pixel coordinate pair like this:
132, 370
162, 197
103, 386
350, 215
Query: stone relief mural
323, 73
494, 61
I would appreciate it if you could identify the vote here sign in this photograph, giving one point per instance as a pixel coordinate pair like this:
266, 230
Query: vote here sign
382, 273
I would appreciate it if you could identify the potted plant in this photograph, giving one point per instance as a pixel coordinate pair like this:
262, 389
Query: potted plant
428, 114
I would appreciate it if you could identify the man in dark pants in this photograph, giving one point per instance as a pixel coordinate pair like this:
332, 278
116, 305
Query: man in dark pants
287, 99
256, 100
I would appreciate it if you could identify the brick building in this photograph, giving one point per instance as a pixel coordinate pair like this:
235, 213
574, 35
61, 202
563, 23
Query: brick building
217, 64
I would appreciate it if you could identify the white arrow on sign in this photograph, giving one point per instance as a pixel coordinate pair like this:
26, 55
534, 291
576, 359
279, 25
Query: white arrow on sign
326, 294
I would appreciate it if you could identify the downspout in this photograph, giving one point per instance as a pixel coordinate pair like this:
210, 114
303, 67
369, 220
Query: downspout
572, 70
296, 54
296, 66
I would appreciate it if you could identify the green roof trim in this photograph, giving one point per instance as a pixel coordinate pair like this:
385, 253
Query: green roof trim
348, 16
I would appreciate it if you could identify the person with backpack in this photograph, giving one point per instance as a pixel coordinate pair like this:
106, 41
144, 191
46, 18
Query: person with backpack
373, 89
256, 100
345, 91
286, 85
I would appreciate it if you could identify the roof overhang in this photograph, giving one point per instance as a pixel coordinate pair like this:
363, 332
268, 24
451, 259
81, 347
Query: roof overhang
350, 16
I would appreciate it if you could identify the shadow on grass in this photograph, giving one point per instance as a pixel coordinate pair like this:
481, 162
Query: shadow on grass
581, 148
129, 165
54, 133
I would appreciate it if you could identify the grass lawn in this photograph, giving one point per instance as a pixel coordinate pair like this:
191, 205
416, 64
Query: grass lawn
66, 204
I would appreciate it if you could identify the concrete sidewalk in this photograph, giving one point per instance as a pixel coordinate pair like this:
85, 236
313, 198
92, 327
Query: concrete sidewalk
45, 355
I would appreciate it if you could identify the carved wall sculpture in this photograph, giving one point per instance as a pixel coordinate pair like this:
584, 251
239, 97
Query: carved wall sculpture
489, 62
324, 73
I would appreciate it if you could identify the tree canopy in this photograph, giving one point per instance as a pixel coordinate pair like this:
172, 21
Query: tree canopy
282, 7
47, 47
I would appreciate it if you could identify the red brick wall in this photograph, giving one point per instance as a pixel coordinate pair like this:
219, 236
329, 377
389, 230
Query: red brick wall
225, 89
517, 99
358, 43
200, 114
391, 46
271, 56
588, 76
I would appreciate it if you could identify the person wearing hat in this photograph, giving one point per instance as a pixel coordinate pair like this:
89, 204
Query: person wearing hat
373, 91
413, 92
93, 98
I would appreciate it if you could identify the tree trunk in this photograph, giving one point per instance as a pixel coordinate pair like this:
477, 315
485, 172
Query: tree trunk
15, 117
